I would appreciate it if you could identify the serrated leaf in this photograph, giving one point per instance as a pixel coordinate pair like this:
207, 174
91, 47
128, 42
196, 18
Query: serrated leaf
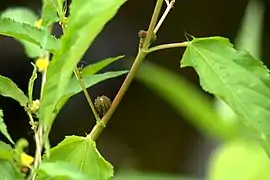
60, 170
8, 171
239, 160
235, 77
89, 80
29, 33
9, 89
86, 20
50, 11
6, 152
82, 153
26, 16
186, 99
3, 127
20, 14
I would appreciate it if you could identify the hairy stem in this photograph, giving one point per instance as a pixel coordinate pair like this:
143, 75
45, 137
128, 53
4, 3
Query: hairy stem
98, 128
167, 46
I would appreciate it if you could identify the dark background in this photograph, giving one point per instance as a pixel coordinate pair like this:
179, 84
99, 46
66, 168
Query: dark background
144, 133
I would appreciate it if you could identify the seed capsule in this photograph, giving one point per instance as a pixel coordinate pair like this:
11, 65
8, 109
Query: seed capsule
102, 105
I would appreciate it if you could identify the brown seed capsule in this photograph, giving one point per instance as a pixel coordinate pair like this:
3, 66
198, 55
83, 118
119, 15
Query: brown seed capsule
102, 105
142, 35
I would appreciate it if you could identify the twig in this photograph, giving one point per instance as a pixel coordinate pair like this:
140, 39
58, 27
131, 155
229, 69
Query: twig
163, 17
86, 94
98, 128
167, 46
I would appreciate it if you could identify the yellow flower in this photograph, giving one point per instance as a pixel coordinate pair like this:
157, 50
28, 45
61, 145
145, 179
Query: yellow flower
38, 23
35, 106
26, 160
42, 64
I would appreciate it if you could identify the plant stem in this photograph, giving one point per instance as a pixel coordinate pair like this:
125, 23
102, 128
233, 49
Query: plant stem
39, 138
39, 145
167, 46
163, 17
86, 94
153, 22
98, 128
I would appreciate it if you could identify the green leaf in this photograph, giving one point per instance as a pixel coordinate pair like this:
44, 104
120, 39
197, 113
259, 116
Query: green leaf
6, 152
20, 14
3, 127
82, 152
89, 80
186, 99
9, 89
29, 33
86, 20
8, 172
50, 11
237, 78
27, 16
239, 160
60, 170
94, 68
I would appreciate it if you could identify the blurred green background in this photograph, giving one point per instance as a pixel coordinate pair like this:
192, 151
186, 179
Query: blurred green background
165, 127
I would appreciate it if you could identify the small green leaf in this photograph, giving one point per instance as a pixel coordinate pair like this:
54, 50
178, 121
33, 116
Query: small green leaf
237, 78
186, 99
3, 127
50, 11
9, 89
89, 80
60, 170
6, 152
9, 172
86, 20
26, 32
239, 160
82, 152
94, 68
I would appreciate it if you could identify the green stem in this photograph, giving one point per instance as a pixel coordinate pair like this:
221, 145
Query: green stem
153, 22
98, 128
86, 94
167, 46
39, 146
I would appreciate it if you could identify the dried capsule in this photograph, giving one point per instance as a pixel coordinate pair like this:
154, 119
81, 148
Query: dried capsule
102, 105
142, 35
